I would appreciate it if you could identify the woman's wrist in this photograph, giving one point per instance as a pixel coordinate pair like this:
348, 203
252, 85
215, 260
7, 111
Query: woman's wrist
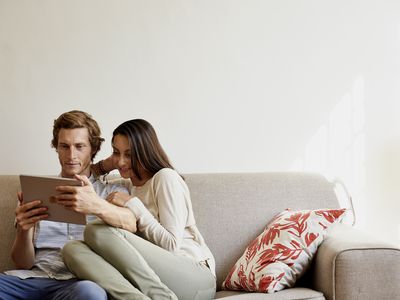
102, 170
95, 170
108, 164
103, 167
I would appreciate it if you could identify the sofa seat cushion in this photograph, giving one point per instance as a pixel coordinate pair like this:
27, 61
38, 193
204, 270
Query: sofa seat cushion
296, 293
282, 252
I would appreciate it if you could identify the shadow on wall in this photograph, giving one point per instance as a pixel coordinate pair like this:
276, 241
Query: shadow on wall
337, 149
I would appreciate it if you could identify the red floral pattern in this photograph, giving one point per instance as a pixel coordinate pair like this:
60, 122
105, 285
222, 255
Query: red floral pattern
283, 252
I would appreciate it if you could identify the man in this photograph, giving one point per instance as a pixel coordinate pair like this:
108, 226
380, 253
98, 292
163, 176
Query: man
36, 252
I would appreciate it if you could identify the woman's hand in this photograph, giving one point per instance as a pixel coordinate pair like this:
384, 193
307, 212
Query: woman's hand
28, 214
108, 164
118, 198
81, 199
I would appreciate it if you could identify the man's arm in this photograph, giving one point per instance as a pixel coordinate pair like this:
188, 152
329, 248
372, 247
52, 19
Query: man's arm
23, 252
85, 200
27, 216
117, 216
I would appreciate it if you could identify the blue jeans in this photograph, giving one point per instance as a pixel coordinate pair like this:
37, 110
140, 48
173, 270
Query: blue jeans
12, 288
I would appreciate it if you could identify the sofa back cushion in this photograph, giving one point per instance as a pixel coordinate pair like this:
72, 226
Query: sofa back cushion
231, 210
9, 186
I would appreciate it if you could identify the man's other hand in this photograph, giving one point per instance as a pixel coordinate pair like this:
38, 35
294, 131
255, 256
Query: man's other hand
28, 214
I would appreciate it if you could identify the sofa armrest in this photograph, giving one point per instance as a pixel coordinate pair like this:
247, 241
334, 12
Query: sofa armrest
351, 265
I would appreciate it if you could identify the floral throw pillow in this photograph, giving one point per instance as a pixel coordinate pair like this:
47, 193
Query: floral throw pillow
283, 252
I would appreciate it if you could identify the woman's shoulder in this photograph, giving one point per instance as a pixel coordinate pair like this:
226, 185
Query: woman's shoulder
167, 173
168, 177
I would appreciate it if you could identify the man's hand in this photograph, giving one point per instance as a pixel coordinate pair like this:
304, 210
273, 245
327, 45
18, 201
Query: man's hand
82, 199
118, 198
28, 214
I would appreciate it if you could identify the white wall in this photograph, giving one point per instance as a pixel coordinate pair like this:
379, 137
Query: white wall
229, 85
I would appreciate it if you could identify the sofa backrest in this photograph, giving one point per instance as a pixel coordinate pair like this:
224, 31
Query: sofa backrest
9, 186
232, 209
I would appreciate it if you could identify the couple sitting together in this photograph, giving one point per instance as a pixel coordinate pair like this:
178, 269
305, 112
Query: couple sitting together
141, 240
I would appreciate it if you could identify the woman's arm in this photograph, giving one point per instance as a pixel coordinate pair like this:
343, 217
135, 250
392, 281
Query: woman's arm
103, 167
171, 198
116, 216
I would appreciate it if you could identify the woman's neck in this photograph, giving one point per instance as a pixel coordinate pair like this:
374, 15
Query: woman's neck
139, 182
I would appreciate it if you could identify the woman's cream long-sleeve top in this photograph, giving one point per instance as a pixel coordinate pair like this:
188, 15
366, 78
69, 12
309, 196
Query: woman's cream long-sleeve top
165, 217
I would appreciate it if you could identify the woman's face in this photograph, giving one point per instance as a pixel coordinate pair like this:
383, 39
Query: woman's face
122, 160
122, 156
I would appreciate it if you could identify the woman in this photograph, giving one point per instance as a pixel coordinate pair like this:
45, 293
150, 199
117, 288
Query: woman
167, 258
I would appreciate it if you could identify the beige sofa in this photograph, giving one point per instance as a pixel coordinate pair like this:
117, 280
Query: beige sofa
232, 209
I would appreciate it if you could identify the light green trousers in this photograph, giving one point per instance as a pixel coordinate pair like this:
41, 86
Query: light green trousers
129, 267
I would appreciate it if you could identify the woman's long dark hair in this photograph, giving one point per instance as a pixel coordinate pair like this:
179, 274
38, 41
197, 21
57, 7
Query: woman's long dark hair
147, 155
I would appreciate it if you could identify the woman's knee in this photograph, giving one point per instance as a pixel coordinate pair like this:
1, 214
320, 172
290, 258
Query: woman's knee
92, 232
70, 249
96, 234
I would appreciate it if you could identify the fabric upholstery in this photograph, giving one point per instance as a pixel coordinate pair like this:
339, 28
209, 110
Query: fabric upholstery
350, 265
289, 294
9, 186
240, 205
232, 209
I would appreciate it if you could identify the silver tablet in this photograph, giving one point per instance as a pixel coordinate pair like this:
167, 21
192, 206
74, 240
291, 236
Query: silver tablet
42, 188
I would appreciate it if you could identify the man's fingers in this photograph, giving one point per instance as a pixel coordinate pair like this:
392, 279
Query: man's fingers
36, 211
29, 223
27, 206
31, 217
66, 203
66, 189
84, 179
63, 197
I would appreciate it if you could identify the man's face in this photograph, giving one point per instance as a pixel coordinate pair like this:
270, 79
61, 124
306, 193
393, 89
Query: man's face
74, 152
